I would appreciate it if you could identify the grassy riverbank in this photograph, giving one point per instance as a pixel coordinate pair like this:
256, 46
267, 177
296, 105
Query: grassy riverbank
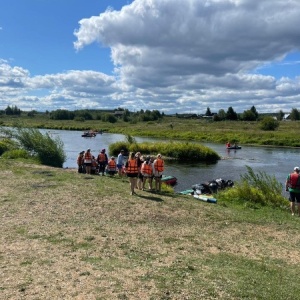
176, 128
72, 236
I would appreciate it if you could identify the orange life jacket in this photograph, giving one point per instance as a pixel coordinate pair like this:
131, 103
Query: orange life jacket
132, 166
146, 168
159, 165
294, 181
101, 157
88, 156
111, 165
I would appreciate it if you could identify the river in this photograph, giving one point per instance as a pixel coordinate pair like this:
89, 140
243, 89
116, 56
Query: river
274, 161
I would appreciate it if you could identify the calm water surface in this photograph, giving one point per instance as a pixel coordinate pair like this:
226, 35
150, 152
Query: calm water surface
274, 161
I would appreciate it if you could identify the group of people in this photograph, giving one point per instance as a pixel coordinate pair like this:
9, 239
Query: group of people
139, 169
89, 164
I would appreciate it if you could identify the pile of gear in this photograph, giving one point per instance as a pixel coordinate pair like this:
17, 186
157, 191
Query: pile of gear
212, 187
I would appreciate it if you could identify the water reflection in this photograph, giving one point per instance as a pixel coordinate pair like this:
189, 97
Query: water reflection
274, 161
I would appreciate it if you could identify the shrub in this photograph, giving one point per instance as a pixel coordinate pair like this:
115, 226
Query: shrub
269, 123
49, 151
259, 188
7, 144
176, 150
16, 153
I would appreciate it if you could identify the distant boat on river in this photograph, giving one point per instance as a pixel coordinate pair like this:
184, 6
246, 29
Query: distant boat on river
89, 134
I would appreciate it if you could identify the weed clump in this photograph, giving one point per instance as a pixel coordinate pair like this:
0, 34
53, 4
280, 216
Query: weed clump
256, 188
47, 150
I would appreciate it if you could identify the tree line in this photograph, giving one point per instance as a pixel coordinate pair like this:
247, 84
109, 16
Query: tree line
111, 116
147, 115
249, 115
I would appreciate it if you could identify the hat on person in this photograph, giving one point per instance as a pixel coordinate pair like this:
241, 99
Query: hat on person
81, 152
103, 150
112, 157
159, 155
296, 169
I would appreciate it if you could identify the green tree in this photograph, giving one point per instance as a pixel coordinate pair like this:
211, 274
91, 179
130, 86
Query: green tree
62, 114
248, 115
208, 112
231, 114
109, 118
280, 115
222, 114
295, 114
254, 111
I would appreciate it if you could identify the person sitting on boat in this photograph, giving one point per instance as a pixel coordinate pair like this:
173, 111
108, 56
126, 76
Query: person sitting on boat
147, 172
102, 161
158, 171
111, 167
228, 145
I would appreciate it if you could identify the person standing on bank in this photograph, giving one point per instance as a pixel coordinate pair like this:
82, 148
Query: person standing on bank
131, 169
158, 171
88, 161
80, 162
120, 162
292, 185
102, 160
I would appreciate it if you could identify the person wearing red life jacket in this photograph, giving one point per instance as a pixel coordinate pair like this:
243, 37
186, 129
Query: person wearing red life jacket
292, 185
158, 171
131, 169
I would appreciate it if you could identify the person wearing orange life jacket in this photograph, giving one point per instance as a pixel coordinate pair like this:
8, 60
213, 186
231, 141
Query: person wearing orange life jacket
111, 167
131, 169
292, 185
80, 162
88, 161
102, 161
147, 172
158, 171
95, 169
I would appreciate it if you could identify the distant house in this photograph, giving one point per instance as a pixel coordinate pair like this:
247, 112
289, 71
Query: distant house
119, 113
286, 117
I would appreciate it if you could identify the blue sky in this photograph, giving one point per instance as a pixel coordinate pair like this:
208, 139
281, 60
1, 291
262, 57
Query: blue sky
170, 55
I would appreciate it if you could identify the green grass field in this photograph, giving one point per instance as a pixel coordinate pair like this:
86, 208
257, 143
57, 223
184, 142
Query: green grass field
66, 235
177, 128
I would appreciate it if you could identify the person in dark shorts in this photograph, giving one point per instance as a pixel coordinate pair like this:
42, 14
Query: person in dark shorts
292, 185
131, 169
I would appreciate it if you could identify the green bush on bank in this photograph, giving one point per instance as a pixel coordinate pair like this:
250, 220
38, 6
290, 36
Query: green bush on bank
7, 144
256, 188
181, 151
16, 153
49, 151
